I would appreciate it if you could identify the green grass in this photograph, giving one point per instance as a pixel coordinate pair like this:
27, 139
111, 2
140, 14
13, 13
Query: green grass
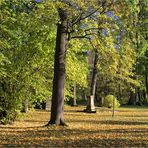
129, 128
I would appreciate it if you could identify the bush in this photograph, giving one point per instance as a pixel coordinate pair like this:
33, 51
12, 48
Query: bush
108, 101
7, 117
7, 111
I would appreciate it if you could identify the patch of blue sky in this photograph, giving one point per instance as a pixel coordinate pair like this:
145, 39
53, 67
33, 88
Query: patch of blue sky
105, 32
118, 37
84, 26
116, 18
110, 14
116, 46
38, 1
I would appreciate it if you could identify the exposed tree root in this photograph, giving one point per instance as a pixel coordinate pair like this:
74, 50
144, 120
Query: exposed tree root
61, 123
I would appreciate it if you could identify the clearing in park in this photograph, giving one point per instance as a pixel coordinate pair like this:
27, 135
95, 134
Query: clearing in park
129, 128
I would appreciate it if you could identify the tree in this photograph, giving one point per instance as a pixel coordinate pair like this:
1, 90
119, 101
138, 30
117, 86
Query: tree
77, 19
26, 49
59, 70
142, 52
65, 26
139, 38
117, 50
77, 69
90, 105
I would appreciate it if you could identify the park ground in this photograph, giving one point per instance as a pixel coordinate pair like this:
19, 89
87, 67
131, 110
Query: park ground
129, 128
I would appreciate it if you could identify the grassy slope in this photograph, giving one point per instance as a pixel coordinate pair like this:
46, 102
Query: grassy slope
129, 127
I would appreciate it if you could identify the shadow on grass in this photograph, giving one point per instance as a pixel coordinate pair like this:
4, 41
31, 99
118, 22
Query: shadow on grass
11, 127
80, 121
65, 137
40, 136
111, 122
115, 122
108, 114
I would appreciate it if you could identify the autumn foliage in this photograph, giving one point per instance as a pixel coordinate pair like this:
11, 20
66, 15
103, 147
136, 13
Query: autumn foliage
127, 129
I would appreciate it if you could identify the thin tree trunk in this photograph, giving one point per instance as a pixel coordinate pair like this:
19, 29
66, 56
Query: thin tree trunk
113, 112
25, 105
146, 81
74, 103
57, 106
90, 103
139, 101
132, 99
119, 93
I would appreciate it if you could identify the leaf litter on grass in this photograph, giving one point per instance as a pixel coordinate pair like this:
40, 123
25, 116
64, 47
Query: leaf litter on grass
128, 128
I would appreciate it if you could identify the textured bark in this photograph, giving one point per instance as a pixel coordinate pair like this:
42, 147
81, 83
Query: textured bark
59, 71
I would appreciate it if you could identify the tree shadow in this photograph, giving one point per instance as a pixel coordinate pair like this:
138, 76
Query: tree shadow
132, 116
116, 122
111, 122
54, 136
18, 127
66, 137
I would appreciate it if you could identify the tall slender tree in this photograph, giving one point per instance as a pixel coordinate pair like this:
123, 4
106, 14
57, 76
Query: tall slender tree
59, 70
77, 19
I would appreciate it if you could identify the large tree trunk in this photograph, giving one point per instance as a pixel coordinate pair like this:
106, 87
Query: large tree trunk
90, 104
59, 71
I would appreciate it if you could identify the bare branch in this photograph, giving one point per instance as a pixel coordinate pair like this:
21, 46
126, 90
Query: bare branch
77, 19
90, 14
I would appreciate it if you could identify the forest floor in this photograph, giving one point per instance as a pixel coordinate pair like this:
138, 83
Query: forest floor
129, 128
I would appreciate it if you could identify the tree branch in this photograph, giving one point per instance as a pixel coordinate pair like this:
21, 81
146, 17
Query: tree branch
81, 37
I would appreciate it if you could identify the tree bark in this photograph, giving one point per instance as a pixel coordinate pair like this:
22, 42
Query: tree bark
74, 102
139, 101
146, 81
25, 105
57, 106
90, 104
132, 98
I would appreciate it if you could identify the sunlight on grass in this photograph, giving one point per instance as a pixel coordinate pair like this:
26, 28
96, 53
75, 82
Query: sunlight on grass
129, 127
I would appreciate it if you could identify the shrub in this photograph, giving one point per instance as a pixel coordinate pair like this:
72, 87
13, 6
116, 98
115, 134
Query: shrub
108, 101
7, 111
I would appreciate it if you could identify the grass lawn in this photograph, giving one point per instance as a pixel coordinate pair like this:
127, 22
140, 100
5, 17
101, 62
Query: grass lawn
129, 128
